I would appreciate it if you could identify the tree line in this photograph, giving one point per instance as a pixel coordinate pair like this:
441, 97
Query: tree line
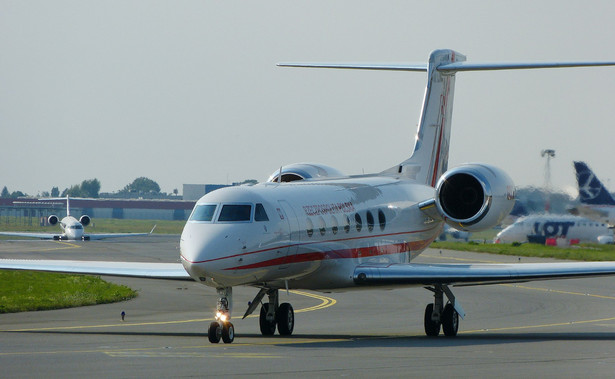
91, 188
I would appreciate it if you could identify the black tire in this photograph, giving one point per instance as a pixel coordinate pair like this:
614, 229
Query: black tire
285, 317
432, 328
214, 332
450, 321
228, 332
267, 327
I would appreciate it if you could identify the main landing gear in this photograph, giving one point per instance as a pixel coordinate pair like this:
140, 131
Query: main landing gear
222, 327
273, 314
439, 315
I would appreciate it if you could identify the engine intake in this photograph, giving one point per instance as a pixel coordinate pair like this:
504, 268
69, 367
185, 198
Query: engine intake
474, 197
52, 220
85, 220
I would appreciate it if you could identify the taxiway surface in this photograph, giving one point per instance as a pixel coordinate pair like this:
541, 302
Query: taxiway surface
563, 328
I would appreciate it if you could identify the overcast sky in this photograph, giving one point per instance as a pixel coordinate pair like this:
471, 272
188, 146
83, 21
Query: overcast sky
188, 91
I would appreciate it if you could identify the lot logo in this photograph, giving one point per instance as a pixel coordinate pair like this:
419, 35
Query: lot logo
552, 228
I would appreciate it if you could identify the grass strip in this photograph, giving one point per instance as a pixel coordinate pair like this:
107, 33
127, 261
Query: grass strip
583, 252
23, 291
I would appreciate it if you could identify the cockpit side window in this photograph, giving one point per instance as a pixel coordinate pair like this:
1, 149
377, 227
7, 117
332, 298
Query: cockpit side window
235, 212
203, 212
259, 213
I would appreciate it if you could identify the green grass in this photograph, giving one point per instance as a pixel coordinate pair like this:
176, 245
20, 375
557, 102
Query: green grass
583, 252
98, 225
23, 291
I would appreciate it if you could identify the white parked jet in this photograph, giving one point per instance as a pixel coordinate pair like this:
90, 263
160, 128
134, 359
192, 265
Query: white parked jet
72, 229
311, 227
556, 226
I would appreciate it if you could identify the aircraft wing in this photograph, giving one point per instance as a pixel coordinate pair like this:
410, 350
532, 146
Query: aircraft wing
46, 236
475, 274
151, 270
99, 236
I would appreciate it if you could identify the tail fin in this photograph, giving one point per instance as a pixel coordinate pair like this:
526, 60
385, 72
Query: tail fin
429, 159
591, 190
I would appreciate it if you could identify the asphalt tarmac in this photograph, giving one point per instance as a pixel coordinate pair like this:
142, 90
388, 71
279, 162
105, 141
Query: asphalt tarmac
563, 328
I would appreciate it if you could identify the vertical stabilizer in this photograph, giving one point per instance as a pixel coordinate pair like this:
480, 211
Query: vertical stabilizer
430, 154
67, 206
591, 190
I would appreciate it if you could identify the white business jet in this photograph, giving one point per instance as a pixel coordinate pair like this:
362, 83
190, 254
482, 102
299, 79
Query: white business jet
311, 227
72, 229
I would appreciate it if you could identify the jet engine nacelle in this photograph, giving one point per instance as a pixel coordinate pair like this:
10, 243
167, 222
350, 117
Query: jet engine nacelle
474, 197
52, 220
301, 171
85, 220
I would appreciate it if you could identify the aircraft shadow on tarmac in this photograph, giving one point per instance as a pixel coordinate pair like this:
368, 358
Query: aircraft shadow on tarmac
365, 341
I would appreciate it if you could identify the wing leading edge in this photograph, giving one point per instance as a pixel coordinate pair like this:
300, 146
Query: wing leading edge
150, 270
475, 274
45, 236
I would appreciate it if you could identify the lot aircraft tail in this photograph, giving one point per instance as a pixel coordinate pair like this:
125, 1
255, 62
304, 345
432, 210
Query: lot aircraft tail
591, 189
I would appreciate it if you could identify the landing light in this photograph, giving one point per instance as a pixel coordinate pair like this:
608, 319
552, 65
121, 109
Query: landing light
221, 316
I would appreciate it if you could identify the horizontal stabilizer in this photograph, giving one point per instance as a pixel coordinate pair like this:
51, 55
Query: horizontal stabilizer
473, 66
449, 67
421, 67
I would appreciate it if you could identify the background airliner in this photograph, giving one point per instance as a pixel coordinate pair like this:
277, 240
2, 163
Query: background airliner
556, 226
311, 227
596, 201
72, 229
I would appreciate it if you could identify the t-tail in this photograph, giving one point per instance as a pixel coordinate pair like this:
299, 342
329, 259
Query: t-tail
591, 189
429, 158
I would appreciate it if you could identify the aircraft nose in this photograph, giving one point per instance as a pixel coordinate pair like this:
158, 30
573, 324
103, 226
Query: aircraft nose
203, 248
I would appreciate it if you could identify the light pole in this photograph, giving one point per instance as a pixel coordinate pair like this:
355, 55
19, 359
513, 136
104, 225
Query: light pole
548, 153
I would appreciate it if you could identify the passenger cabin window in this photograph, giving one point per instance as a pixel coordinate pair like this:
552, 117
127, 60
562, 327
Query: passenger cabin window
309, 227
259, 213
382, 220
358, 222
346, 224
334, 227
203, 212
370, 221
322, 228
235, 213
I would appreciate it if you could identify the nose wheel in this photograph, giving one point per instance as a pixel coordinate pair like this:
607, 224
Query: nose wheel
221, 330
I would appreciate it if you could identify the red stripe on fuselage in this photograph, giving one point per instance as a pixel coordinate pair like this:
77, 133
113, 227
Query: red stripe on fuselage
361, 252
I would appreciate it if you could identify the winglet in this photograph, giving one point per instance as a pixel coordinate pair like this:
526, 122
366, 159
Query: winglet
152, 231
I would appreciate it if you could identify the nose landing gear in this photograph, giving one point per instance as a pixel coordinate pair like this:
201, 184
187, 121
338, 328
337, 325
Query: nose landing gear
222, 328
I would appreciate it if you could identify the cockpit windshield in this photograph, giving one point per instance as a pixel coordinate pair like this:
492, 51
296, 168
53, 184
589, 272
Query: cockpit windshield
235, 212
75, 226
203, 212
